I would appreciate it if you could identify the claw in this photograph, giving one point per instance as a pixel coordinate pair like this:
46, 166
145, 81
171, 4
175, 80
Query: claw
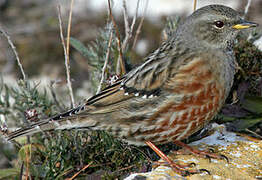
224, 157
198, 171
209, 158
211, 150
192, 164
204, 170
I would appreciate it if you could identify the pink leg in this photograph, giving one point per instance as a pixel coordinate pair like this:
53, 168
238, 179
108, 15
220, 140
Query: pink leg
176, 167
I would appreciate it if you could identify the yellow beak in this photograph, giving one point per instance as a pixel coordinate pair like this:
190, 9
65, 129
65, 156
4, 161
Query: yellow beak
244, 25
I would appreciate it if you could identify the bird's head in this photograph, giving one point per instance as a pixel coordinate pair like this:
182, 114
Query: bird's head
213, 25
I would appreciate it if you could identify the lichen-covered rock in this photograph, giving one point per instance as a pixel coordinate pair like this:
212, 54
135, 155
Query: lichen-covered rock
244, 154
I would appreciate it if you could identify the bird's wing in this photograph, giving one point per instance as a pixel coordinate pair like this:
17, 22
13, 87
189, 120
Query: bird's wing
148, 79
143, 81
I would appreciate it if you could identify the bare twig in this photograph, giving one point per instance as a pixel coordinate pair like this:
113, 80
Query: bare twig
21, 171
66, 50
140, 25
195, 4
73, 177
14, 50
134, 19
254, 133
128, 29
69, 84
120, 62
247, 8
106, 60
54, 95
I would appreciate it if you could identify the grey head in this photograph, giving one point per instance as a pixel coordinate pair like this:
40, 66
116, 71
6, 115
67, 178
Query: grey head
214, 26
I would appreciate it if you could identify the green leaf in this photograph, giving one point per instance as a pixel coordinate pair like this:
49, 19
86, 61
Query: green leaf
9, 173
253, 104
64, 172
79, 46
223, 118
27, 150
6, 97
242, 124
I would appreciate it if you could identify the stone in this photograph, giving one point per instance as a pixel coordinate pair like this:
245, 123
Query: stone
244, 154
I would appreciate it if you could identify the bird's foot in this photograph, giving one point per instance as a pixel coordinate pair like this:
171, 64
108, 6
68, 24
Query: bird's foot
181, 169
204, 154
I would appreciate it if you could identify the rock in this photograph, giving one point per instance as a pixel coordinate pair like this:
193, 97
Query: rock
244, 154
258, 43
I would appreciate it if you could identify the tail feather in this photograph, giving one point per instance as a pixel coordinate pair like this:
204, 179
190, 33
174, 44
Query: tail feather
68, 120
34, 128
45, 125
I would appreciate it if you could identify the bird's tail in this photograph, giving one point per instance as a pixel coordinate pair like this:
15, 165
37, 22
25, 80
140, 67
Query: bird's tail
61, 121
34, 128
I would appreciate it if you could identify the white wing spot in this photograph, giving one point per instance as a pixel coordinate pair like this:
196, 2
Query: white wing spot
151, 96
145, 96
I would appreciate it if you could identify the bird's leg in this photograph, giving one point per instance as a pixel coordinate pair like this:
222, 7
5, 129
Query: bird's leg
197, 152
176, 167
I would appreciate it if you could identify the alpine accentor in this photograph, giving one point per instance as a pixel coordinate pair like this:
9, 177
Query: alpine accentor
177, 90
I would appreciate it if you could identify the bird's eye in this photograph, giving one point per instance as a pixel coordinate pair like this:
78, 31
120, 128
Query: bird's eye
219, 24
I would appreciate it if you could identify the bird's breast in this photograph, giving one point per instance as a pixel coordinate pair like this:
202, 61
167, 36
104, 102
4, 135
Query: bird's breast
176, 120
196, 94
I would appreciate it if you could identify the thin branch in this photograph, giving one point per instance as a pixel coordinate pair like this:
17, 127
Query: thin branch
106, 61
84, 168
21, 171
247, 8
69, 84
15, 52
134, 19
27, 158
195, 4
54, 95
128, 30
254, 133
66, 50
69, 29
120, 62
138, 31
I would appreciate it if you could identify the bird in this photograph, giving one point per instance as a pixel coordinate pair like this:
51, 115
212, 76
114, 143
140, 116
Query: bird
176, 91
